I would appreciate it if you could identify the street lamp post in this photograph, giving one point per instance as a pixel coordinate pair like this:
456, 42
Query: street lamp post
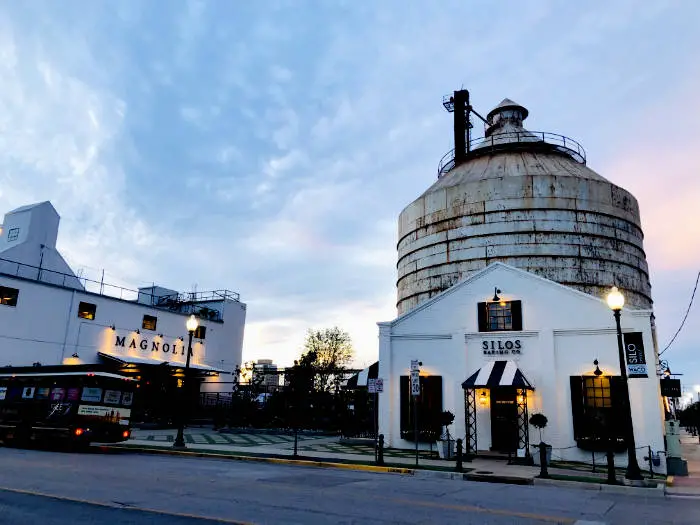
191, 325
616, 301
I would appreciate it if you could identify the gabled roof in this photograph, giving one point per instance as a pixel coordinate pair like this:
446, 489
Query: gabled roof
29, 207
491, 268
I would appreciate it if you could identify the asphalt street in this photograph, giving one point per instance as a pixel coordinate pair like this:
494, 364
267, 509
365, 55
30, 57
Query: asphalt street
50, 487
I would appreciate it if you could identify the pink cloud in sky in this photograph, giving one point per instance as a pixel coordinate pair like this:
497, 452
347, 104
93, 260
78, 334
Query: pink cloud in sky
661, 167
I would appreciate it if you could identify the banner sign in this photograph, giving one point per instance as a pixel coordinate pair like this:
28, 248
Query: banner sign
670, 387
634, 354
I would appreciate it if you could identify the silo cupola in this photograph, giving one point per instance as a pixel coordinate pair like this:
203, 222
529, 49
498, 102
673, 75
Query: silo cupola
507, 117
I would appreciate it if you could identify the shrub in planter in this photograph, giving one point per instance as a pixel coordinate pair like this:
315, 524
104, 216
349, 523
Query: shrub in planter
445, 444
539, 421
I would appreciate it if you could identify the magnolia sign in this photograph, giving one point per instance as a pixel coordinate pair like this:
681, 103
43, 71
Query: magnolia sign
153, 346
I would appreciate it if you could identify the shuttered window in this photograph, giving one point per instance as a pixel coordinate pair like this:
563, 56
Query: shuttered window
500, 316
428, 407
598, 410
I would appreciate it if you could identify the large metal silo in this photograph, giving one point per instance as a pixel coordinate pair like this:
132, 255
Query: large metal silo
523, 198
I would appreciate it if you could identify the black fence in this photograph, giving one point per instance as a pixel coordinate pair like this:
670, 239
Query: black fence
347, 413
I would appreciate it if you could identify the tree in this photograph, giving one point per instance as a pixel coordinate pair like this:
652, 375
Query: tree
329, 350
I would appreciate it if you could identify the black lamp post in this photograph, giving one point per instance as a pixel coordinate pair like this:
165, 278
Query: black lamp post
192, 325
616, 301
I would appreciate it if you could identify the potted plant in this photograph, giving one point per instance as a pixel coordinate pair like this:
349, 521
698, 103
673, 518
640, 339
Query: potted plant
539, 421
444, 444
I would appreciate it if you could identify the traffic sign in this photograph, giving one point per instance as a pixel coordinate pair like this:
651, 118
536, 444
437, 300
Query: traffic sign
415, 383
379, 384
372, 386
415, 364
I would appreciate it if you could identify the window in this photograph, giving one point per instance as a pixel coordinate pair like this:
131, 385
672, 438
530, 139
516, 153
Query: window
596, 391
598, 409
149, 322
87, 310
12, 234
8, 296
428, 405
500, 316
200, 332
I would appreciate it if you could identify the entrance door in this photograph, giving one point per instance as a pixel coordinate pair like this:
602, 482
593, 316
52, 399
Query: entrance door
504, 420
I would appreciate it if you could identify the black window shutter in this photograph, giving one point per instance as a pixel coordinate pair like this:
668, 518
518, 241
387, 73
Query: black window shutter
404, 387
516, 312
618, 416
483, 317
577, 406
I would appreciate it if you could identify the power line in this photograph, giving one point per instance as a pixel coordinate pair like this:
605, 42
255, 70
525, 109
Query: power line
685, 317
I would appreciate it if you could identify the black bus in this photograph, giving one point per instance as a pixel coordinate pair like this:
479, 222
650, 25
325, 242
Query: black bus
64, 404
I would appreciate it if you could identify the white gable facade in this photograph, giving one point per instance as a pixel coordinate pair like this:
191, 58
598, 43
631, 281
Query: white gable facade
493, 380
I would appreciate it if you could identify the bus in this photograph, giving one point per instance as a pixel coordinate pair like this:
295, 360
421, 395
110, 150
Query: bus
64, 404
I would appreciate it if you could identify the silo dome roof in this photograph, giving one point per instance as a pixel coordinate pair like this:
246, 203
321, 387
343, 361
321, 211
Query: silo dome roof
507, 103
519, 163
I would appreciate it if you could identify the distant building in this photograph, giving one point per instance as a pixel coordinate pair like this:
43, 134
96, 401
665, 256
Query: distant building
51, 316
269, 371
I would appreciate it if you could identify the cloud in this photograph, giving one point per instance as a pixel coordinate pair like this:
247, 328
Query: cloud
281, 142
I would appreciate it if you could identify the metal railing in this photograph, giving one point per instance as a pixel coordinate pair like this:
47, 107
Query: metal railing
501, 141
181, 302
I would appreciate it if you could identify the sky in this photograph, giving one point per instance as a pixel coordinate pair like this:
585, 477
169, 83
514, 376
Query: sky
268, 147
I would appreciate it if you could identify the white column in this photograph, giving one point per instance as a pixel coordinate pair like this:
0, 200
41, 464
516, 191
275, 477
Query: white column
388, 399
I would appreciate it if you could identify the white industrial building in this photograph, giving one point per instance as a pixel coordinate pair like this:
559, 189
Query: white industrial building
503, 267
533, 351
51, 316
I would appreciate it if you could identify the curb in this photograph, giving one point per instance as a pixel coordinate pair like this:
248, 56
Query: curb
262, 459
418, 473
650, 492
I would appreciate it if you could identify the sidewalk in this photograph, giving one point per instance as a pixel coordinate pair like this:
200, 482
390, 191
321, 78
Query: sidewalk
329, 450
321, 448
688, 485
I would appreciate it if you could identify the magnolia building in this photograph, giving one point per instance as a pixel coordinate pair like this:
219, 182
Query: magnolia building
504, 344
49, 315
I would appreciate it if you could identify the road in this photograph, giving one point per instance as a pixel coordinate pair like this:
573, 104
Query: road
50, 487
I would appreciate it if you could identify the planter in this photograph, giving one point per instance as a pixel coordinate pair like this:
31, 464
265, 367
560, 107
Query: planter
548, 455
445, 448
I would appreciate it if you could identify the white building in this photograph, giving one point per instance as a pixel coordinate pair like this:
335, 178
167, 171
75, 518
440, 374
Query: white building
493, 361
50, 316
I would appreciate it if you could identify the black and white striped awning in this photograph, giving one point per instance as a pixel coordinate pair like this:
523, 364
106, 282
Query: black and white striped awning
498, 373
359, 380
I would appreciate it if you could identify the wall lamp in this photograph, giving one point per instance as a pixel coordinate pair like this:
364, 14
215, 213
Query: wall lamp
138, 331
75, 354
496, 291
597, 372
160, 335
482, 398
113, 327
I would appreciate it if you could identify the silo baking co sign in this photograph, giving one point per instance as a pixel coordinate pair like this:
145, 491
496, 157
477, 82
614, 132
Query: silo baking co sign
634, 354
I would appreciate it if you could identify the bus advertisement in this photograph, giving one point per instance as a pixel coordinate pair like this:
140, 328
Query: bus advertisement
79, 406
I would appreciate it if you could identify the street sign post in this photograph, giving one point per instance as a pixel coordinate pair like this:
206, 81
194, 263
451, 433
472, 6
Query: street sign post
379, 385
415, 392
415, 383
372, 386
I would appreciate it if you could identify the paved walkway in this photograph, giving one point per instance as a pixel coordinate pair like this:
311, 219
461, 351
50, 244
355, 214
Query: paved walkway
688, 485
330, 449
